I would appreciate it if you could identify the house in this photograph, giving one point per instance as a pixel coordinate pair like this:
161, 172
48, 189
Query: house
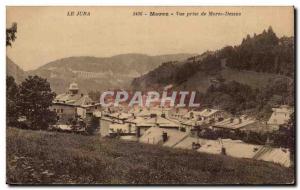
122, 129
162, 136
191, 125
72, 104
134, 121
192, 115
177, 113
120, 116
105, 123
213, 114
147, 113
237, 149
207, 114
239, 123
280, 116
156, 121
228, 147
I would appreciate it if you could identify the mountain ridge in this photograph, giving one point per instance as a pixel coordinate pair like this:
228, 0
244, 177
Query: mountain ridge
100, 73
12, 69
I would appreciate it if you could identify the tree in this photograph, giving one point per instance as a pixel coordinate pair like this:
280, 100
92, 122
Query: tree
12, 112
264, 52
11, 34
233, 97
290, 135
35, 99
95, 95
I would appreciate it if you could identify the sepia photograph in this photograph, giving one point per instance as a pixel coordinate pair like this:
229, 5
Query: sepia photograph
150, 95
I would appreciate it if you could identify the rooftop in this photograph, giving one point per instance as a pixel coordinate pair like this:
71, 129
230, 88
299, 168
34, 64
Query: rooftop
235, 123
73, 99
158, 121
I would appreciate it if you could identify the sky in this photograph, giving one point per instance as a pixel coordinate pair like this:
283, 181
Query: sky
46, 33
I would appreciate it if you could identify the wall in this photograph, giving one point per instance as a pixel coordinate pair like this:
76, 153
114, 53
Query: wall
104, 127
64, 112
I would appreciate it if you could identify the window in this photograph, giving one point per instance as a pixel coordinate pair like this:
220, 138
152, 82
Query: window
62, 110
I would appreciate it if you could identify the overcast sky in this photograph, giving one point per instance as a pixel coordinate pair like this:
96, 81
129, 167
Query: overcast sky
47, 33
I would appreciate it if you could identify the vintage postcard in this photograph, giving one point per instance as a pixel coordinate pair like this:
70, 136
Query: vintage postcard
118, 95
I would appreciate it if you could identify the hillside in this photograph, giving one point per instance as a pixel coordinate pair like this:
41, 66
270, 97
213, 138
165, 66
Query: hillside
262, 64
264, 52
42, 157
201, 80
14, 70
178, 72
255, 62
99, 73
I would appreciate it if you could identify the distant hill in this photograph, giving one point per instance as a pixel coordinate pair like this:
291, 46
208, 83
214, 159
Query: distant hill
99, 73
14, 70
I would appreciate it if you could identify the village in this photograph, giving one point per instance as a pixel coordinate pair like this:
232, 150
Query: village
150, 95
208, 130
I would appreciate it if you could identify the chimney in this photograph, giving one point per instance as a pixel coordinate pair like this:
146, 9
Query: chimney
165, 136
240, 120
152, 115
223, 151
195, 146
129, 128
138, 132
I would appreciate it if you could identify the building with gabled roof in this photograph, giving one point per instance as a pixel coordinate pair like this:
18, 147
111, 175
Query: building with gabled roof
280, 116
120, 116
228, 147
206, 114
146, 113
121, 129
72, 104
239, 123
155, 135
156, 121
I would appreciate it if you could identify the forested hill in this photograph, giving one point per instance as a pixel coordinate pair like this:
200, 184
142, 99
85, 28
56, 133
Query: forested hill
263, 56
178, 72
262, 53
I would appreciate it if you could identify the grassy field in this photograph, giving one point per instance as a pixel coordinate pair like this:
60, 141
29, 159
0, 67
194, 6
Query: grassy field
50, 157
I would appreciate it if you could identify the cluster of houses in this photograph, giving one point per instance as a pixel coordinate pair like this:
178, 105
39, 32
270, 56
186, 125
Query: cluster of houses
175, 127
